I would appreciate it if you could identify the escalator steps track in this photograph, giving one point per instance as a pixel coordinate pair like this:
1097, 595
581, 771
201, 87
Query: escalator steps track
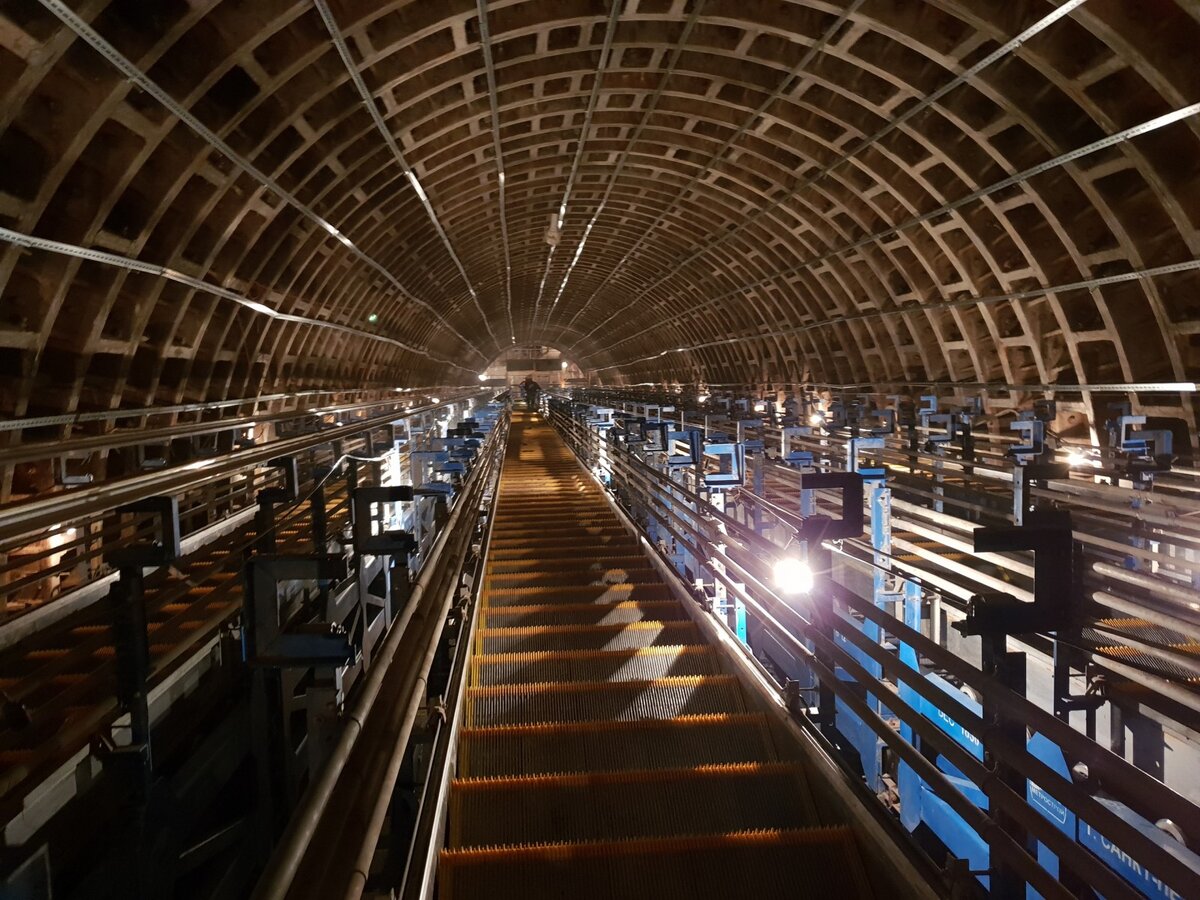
605, 751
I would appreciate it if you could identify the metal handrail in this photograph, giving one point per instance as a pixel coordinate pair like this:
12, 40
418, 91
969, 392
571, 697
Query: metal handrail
21, 518
278, 878
129, 437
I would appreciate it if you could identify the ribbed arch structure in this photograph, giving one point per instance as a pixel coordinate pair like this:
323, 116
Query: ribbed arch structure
750, 191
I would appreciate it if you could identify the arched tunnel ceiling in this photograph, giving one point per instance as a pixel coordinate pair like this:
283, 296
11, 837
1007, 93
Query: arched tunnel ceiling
863, 191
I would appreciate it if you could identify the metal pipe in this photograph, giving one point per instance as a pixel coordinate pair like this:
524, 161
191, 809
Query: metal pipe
1181, 695
979, 820
1149, 613
277, 879
416, 674
419, 667
45, 512
1030, 766
1187, 597
1166, 654
959, 545
128, 437
419, 871
1154, 797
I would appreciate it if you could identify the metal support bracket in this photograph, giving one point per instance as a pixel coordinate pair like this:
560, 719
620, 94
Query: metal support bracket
368, 511
731, 461
850, 524
266, 638
1048, 534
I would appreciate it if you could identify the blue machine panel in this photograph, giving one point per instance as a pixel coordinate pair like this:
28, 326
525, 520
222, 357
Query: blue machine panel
1124, 864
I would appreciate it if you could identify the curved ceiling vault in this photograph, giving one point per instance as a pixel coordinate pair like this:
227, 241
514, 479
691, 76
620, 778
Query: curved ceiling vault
196, 202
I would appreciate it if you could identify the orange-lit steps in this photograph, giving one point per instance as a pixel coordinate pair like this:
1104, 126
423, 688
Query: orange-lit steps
606, 752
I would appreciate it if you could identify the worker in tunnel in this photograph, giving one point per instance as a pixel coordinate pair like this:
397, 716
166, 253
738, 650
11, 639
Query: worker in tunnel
530, 389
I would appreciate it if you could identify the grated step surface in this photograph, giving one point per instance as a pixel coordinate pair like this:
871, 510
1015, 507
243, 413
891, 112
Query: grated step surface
605, 746
802, 864
604, 750
642, 664
587, 637
628, 804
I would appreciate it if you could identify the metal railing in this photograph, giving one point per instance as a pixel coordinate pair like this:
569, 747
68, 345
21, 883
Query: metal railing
402, 677
734, 556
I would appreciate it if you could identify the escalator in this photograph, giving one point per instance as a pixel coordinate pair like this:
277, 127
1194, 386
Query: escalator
607, 749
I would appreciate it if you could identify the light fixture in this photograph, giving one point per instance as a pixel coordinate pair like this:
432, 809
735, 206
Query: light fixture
483, 376
702, 398
412, 177
793, 576
760, 406
1078, 457
565, 363
70, 533
373, 318
816, 420
434, 400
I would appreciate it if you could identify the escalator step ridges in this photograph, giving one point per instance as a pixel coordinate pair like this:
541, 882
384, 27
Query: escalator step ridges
541, 512
799, 864
550, 542
604, 746
583, 536
588, 562
582, 613
578, 593
587, 637
629, 804
643, 664
555, 579
537, 515
660, 698
572, 551
554, 527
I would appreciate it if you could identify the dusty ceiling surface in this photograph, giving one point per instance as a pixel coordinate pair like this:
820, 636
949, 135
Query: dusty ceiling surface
211, 198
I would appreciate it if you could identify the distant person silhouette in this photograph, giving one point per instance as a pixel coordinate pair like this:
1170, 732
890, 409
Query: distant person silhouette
531, 390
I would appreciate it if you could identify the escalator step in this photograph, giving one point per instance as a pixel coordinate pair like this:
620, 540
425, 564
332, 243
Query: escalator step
663, 698
621, 805
612, 548
581, 613
803, 864
537, 515
614, 746
584, 564
587, 637
531, 529
645, 664
646, 575
577, 593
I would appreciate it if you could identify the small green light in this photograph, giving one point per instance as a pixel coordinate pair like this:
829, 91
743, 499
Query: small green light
373, 318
